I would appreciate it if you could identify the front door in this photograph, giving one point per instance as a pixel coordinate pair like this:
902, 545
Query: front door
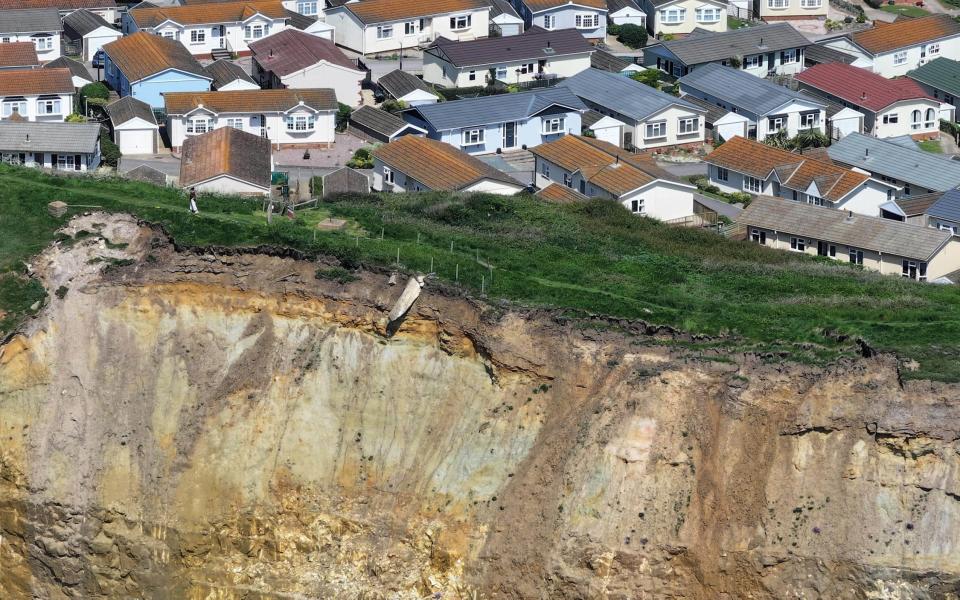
509, 135
223, 36
628, 139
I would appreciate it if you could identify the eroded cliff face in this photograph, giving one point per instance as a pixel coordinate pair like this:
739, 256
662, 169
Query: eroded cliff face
206, 426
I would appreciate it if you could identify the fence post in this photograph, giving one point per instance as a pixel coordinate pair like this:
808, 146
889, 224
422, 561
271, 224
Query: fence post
457, 276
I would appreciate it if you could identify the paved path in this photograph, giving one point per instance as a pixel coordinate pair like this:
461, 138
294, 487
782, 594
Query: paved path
684, 169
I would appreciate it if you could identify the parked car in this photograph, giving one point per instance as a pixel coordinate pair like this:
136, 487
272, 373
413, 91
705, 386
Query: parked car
97, 61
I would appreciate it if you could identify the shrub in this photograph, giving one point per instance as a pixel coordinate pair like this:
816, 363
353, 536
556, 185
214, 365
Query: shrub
649, 77
338, 274
740, 198
613, 29
95, 90
109, 152
736, 62
632, 36
316, 185
75, 118
343, 116
362, 159
394, 106
861, 17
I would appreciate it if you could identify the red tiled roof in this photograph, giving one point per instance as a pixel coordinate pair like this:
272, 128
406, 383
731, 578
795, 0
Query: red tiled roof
18, 54
383, 11
199, 14
859, 86
18, 82
59, 4
906, 33
292, 50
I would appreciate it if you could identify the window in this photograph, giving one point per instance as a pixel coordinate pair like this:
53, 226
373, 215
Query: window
198, 36
856, 256
410, 27
15, 105
587, 21
687, 126
43, 42
568, 179
549, 21
526, 68
758, 236
307, 8
752, 184
298, 123
255, 32
657, 129
502, 73
753, 62
387, 175
48, 106
672, 16
890, 119
68, 162
931, 118
932, 49
900, 58
723, 174
815, 200
915, 120
914, 270
384, 32
811, 3
798, 244
788, 57
472, 137
810, 120
545, 170
461, 22
169, 34
775, 124
778, 4
5, 40
554, 125
235, 122
636, 206
472, 76
198, 125
708, 14
825, 249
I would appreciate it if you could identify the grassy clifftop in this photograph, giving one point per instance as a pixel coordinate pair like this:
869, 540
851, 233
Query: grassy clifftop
593, 257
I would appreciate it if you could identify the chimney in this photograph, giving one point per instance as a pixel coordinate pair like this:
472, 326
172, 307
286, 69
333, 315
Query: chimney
548, 43
866, 152
863, 95
271, 53
28, 138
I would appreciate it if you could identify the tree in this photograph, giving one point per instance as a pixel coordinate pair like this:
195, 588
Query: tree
95, 90
109, 152
809, 138
649, 77
632, 36
343, 116
778, 140
393, 106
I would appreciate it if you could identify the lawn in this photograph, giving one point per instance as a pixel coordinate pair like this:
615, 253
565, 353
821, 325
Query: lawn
591, 258
932, 146
737, 23
906, 10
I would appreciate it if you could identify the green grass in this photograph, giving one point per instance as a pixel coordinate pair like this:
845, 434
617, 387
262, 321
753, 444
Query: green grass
932, 146
737, 23
591, 258
905, 10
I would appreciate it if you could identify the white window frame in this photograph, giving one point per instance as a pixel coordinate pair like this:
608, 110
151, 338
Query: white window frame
66, 162
388, 176
754, 61
702, 11
811, 3
460, 22
501, 73
552, 125
199, 125
788, 57
411, 28
778, 4
549, 21
688, 125
586, 20
42, 42
472, 137
856, 255
758, 236
471, 75
384, 32
48, 106
928, 121
235, 122
916, 119
900, 58
723, 174
672, 16
567, 179
527, 68
256, 31
772, 121
198, 36
891, 118
798, 244
752, 184
810, 120
933, 49
14, 106
655, 130
545, 169
637, 206
307, 7
301, 123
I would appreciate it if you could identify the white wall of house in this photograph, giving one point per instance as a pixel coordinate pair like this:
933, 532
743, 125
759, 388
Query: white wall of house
46, 107
731, 125
867, 199
203, 39
897, 63
225, 184
440, 72
910, 117
136, 136
276, 126
489, 186
670, 119
845, 122
793, 113
681, 17
863, 60
238, 84
609, 130
772, 10
403, 183
390, 37
94, 41
345, 82
47, 43
50, 160
628, 16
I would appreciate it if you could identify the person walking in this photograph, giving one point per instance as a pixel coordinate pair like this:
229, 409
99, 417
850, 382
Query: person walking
193, 201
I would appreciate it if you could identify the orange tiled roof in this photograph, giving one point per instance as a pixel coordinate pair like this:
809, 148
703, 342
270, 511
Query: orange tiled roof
560, 194
538, 5
384, 11
58, 4
437, 165
795, 171
143, 54
19, 82
216, 12
18, 54
179, 103
226, 151
906, 33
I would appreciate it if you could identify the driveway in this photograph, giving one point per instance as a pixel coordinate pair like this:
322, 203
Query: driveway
683, 169
412, 62
519, 164
333, 157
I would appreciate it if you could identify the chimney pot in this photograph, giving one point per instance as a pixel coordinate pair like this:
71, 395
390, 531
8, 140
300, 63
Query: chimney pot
28, 137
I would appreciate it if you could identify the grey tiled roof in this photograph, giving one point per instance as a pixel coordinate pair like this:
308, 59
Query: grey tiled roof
615, 5
501, 108
917, 205
710, 47
70, 138
224, 71
501, 7
820, 54
714, 112
837, 226
128, 108
739, 88
377, 121
399, 83
589, 118
76, 69
535, 44
947, 206
81, 22
30, 20
893, 160
605, 61
621, 94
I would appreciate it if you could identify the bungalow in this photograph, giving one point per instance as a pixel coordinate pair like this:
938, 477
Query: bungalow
374, 27
762, 50
297, 60
88, 32
375, 125
18, 55
537, 54
504, 20
228, 76
742, 165
602, 127
57, 146
597, 169
878, 244
652, 118
40, 26
940, 78
105, 9
790, 10
36, 94
768, 107
940, 210
589, 17
214, 30
605, 61
893, 49
891, 107
78, 73
911, 170
417, 164
841, 120
296, 118
626, 12
682, 17
135, 129
147, 66
407, 88
501, 122
227, 161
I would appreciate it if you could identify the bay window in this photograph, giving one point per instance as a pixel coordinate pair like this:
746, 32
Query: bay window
198, 125
708, 14
672, 16
48, 106
461, 22
42, 42
301, 123
14, 105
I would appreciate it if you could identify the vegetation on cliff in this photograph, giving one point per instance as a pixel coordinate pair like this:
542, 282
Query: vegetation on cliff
592, 257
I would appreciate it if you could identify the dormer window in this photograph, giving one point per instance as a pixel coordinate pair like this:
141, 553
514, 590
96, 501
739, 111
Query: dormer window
301, 123
587, 20
255, 32
198, 125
